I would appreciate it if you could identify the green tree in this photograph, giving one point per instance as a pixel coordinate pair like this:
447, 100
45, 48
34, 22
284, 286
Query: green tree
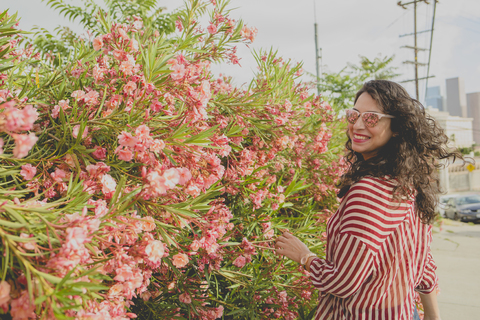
339, 88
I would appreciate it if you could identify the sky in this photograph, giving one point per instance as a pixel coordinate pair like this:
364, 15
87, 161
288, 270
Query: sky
346, 30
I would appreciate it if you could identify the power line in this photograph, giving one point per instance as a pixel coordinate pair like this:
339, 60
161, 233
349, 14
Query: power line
430, 50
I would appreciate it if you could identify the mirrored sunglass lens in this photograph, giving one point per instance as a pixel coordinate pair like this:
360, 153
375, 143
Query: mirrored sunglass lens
352, 116
370, 119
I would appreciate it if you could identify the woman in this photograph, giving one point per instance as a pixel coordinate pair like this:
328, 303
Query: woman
378, 241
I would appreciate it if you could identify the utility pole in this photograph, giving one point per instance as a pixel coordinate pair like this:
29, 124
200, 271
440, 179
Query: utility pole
431, 41
317, 57
415, 48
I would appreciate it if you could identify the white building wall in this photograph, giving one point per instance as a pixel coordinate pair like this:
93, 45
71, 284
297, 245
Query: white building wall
473, 105
458, 129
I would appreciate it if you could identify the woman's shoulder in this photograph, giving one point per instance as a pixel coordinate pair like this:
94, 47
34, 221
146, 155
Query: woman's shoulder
384, 184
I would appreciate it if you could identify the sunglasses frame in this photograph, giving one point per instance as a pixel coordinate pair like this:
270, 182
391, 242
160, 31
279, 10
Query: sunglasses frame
360, 114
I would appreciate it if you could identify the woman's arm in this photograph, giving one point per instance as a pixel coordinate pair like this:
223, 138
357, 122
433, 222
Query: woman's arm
350, 266
430, 305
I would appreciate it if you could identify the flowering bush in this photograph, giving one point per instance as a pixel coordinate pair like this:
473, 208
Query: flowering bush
135, 183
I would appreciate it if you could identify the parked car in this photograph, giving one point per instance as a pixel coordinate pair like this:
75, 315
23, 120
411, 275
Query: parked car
442, 204
465, 207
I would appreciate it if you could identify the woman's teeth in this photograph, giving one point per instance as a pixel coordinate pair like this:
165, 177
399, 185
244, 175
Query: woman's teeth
361, 137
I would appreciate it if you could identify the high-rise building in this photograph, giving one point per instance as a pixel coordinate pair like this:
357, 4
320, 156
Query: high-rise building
473, 106
456, 97
434, 98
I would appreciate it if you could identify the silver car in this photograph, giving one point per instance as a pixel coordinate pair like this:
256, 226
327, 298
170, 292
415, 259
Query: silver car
465, 207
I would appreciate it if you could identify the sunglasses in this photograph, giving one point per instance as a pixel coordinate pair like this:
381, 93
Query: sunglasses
370, 119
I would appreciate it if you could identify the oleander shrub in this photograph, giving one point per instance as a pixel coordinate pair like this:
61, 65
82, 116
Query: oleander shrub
136, 183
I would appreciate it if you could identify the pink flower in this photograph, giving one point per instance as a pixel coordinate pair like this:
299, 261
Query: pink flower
123, 33
22, 308
55, 112
185, 298
130, 87
98, 73
212, 29
124, 273
195, 245
108, 184
18, 120
126, 139
172, 177
157, 183
115, 290
118, 54
97, 169
127, 66
91, 98
124, 154
30, 245
101, 208
4, 292
148, 224
76, 237
142, 132
99, 153
178, 72
185, 175
157, 145
23, 144
288, 105
28, 172
280, 120
180, 260
240, 261
98, 43
76, 130
218, 312
155, 251
78, 95
205, 92
179, 25
249, 33
58, 175
138, 24
193, 190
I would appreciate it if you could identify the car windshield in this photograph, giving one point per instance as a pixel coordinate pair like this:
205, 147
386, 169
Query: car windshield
469, 199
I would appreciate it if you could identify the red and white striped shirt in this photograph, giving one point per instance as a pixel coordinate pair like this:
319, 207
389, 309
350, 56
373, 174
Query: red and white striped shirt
378, 254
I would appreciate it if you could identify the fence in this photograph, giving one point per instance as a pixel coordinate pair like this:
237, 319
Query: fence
456, 177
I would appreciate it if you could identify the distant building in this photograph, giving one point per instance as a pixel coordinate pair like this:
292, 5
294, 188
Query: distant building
458, 129
434, 99
456, 97
473, 106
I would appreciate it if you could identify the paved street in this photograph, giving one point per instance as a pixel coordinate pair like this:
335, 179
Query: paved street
456, 250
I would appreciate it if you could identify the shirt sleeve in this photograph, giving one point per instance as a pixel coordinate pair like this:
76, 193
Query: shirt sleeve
429, 278
371, 214
369, 217
351, 266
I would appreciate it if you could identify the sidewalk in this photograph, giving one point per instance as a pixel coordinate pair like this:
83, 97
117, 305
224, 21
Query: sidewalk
456, 250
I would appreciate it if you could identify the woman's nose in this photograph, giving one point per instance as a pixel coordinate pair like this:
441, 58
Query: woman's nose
359, 123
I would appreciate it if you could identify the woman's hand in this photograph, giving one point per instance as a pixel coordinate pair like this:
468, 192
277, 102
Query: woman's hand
291, 247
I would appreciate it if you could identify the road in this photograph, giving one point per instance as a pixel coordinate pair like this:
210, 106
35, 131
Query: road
456, 251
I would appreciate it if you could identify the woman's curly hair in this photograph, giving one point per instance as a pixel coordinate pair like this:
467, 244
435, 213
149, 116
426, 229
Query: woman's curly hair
411, 156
